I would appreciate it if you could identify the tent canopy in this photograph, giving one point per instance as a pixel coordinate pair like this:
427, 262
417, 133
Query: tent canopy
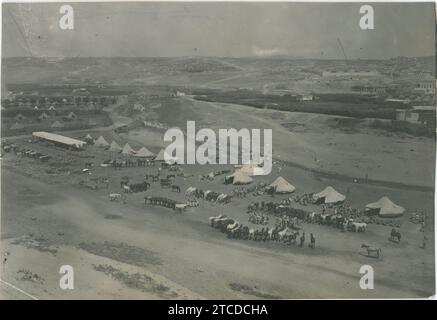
240, 177
252, 169
386, 207
72, 115
114, 147
330, 195
144, 153
101, 142
127, 149
43, 116
16, 126
57, 124
282, 186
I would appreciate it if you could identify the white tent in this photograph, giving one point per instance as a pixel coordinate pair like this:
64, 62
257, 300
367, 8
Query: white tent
72, 115
101, 142
16, 126
114, 147
252, 169
43, 116
57, 124
127, 149
385, 208
144, 153
282, 186
329, 195
240, 177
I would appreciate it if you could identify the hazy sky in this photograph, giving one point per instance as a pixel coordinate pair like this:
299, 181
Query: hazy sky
218, 29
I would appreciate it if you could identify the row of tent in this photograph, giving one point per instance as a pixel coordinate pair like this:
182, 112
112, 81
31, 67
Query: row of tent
384, 206
126, 149
44, 116
17, 125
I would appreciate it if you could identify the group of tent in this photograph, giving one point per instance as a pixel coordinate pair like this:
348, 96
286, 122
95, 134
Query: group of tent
384, 207
143, 152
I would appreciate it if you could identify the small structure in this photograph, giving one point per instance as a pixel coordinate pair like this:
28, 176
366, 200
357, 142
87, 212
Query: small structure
17, 126
72, 116
282, 186
238, 177
59, 139
128, 150
426, 87
144, 153
43, 116
252, 169
384, 207
57, 124
89, 139
19, 117
115, 147
329, 195
101, 142
417, 114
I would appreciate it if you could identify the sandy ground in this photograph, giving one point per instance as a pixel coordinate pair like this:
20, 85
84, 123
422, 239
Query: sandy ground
312, 143
131, 250
137, 251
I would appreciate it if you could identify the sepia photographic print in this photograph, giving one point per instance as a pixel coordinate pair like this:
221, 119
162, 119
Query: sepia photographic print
217, 150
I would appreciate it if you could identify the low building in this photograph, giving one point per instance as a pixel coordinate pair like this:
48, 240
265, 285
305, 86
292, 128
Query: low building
426, 87
417, 114
371, 90
59, 140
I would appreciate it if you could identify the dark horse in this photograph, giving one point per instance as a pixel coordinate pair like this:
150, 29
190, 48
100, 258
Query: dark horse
395, 235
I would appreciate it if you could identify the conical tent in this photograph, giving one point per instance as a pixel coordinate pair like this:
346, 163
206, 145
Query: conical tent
127, 149
114, 147
72, 115
89, 137
43, 116
101, 142
329, 195
16, 126
19, 117
57, 124
385, 208
144, 153
252, 169
282, 186
240, 177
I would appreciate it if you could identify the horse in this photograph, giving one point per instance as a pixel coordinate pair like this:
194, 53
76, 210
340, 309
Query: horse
370, 250
114, 196
395, 234
359, 226
126, 189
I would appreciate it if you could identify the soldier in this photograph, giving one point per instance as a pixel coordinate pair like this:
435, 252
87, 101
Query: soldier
302, 240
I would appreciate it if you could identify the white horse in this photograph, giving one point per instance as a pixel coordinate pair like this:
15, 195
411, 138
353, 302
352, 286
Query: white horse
114, 196
359, 226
